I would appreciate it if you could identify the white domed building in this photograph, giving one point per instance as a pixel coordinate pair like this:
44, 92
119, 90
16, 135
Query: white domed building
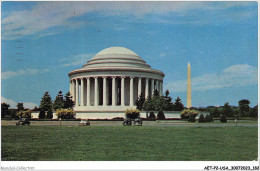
110, 83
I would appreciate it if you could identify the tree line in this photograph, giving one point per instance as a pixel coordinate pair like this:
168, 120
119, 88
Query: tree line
152, 103
158, 103
164, 103
46, 105
242, 110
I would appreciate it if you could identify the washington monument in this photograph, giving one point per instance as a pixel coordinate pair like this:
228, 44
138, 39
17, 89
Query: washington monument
188, 87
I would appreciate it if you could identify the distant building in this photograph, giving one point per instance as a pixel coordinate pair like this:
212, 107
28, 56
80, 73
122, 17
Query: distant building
110, 83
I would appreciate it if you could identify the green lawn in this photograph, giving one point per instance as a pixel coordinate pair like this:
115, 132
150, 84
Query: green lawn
44, 143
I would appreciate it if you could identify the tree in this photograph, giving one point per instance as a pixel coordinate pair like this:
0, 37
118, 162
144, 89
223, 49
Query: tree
4, 109
167, 92
159, 103
13, 113
20, 106
155, 92
202, 119
209, 118
169, 105
140, 101
178, 106
192, 118
42, 114
58, 102
244, 107
46, 102
254, 112
148, 104
49, 114
152, 115
227, 110
68, 103
35, 108
160, 115
215, 112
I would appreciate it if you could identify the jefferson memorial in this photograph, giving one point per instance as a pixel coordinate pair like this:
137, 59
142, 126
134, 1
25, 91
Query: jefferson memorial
110, 83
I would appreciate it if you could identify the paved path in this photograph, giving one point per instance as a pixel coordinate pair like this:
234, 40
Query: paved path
241, 123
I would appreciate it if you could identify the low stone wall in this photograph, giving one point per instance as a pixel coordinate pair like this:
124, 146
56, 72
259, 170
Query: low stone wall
112, 114
35, 114
167, 114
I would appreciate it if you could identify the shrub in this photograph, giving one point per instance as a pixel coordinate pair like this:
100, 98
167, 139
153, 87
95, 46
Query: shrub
209, 118
202, 119
132, 113
118, 119
13, 113
152, 115
192, 118
42, 114
65, 113
24, 114
160, 115
49, 114
223, 119
215, 112
185, 114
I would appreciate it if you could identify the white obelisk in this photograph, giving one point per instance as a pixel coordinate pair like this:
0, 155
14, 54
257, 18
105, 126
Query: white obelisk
189, 87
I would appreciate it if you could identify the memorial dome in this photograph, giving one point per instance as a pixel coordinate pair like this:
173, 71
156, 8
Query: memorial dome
116, 57
116, 50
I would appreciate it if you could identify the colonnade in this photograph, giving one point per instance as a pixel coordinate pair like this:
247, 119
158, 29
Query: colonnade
112, 91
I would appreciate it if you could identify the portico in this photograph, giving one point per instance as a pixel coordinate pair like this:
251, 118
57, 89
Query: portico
110, 90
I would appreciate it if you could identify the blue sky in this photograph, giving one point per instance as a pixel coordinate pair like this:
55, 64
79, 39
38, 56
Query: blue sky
43, 41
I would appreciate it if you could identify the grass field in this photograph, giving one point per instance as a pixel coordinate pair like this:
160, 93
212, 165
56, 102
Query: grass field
118, 143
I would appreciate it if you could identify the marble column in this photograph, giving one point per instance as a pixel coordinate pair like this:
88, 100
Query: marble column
104, 91
82, 92
77, 93
146, 88
96, 92
157, 86
161, 87
152, 86
122, 91
72, 90
113, 91
88, 91
131, 91
70, 86
74, 93
139, 86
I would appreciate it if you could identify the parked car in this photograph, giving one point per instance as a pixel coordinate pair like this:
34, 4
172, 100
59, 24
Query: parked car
84, 123
138, 122
127, 122
23, 121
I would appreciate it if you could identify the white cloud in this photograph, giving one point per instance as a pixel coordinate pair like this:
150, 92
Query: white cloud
162, 55
10, 102
26, 71
13, 104
77, 60
45, 15
234, 76
29, 105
